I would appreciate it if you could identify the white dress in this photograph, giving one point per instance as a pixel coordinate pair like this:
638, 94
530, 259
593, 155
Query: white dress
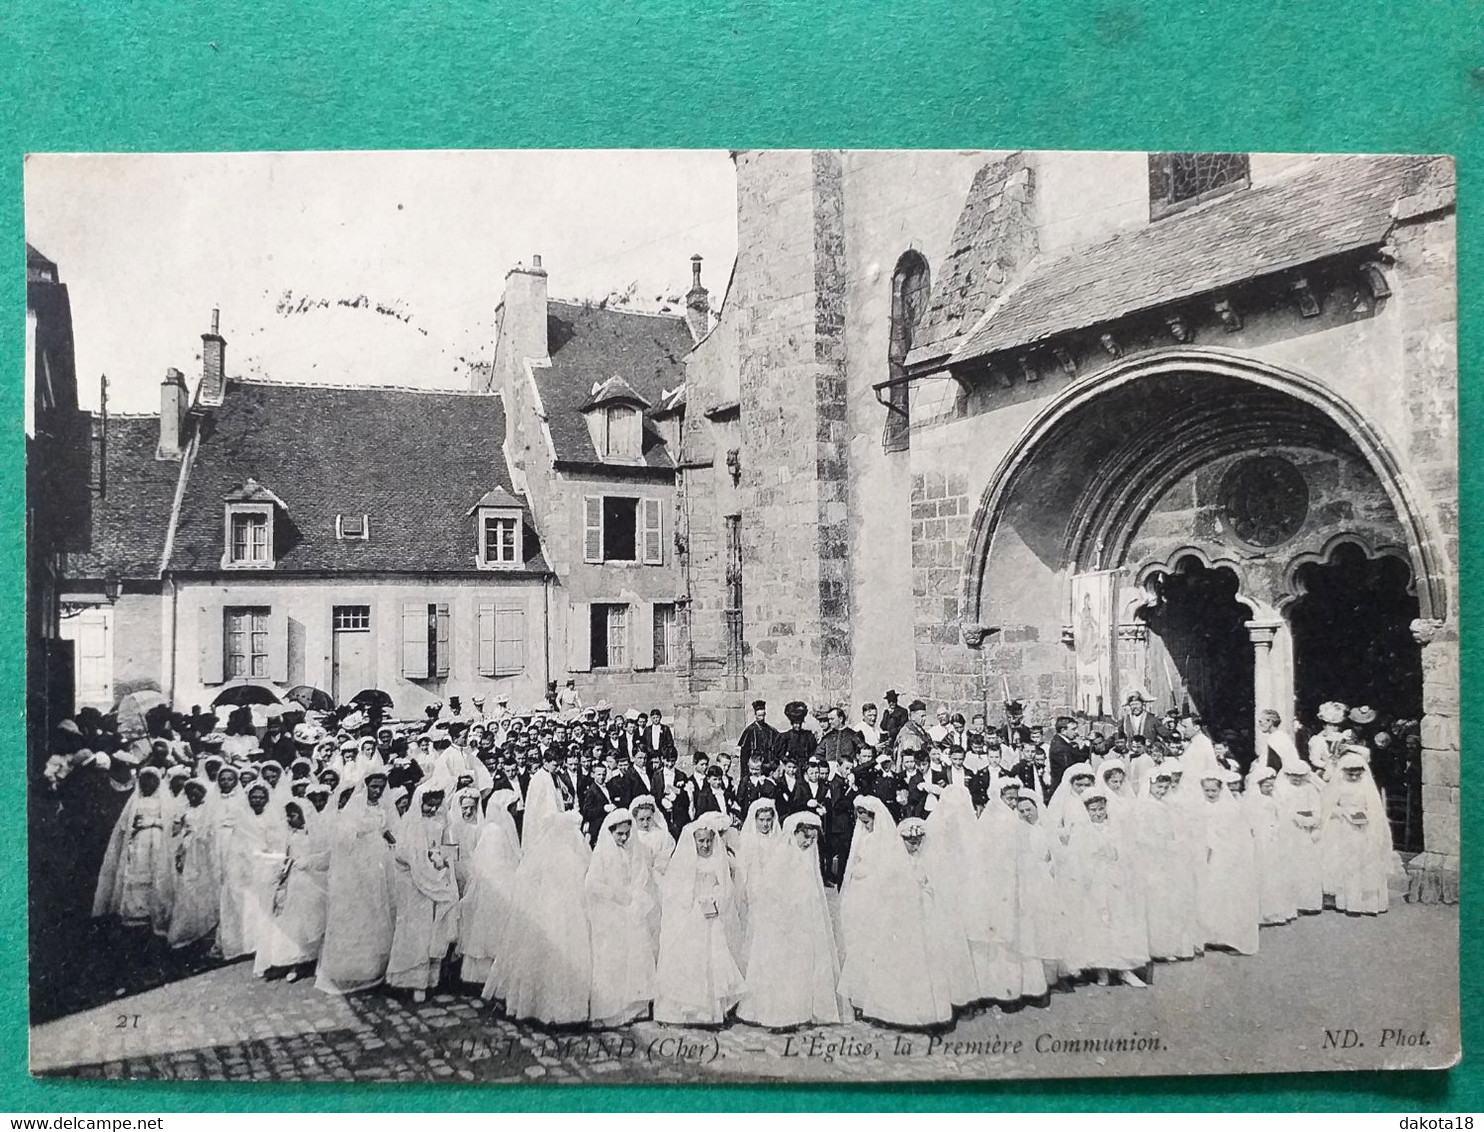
136, 881
884, 973
193, 913
543, 967
293, 925
485, 905
697, 979
618, 898
359, 916
1226, 880
426, 924
793, 964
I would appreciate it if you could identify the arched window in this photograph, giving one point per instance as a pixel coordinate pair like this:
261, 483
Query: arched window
910, 283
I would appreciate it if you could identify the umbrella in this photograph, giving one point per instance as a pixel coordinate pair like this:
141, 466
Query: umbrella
131, 710
369, 697
248, 694
311, 698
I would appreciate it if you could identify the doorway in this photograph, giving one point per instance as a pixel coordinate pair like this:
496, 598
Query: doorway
351, 651
1200, 652
1352, 636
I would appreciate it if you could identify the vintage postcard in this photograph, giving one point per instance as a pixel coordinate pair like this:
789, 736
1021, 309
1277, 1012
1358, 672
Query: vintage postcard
738, 616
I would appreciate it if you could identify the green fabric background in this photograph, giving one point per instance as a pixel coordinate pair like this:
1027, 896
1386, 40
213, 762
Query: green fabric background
1336, 75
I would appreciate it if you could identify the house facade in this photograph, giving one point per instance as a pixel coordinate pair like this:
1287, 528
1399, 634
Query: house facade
344, 537
1062, 426
594, 397
57, 491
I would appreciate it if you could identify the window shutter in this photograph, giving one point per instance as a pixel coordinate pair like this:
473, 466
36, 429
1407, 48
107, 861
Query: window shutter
278, 646
653, 532
487, 652
445, 640
209, 635
641, 633
579, 637
415, 640
592, 528
510, 637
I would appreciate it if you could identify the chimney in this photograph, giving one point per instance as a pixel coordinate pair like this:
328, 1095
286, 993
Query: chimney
697, 302
172, 414
524, 325
213, 363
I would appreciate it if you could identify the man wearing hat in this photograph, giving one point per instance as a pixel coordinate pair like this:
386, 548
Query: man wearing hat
892, 720
759, 737
1013, 731
1136, 719
913, 735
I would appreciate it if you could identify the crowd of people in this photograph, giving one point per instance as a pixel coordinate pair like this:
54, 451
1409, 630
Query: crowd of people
570, 868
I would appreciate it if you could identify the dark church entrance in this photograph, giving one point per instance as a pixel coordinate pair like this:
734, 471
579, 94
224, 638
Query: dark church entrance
1352, 637
1200, 650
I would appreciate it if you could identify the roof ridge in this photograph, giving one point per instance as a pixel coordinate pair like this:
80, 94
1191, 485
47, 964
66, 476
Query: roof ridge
362, 387
584, 305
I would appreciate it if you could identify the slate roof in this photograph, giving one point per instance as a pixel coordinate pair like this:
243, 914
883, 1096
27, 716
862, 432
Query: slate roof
589, 344
1342, 205
414, 462
615, 389
126, 534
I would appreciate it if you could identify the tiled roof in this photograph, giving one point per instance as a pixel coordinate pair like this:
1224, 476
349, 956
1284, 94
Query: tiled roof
589, 344
1342, 205
614, 389
126, 532
414, 462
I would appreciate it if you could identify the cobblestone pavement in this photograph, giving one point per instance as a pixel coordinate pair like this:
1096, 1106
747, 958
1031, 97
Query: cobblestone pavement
1384, 989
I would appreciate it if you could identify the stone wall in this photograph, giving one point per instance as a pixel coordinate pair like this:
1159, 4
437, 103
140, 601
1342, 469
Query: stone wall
882, 223
787, 300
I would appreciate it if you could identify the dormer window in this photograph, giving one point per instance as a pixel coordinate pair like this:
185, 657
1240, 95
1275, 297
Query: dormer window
499, 527
250, 514
352, 527
252, 537
621, 432
499, 537
615, 419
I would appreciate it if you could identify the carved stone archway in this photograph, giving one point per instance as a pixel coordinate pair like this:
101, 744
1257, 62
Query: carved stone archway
1100, 501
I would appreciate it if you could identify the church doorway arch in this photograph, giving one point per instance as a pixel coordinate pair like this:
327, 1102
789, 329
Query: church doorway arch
1191, 498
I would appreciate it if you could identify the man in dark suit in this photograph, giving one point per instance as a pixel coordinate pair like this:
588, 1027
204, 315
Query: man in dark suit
839, 744
1136, 719
759, 738
813, 795
601, 798
713, 796
955, 773
918, 780
1014, 731
631, 781
892, 720
756, 781
1065, 750
656, 737
788, 796
669, 788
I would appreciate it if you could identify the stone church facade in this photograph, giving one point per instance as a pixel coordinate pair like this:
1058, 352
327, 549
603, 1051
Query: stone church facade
1062, 426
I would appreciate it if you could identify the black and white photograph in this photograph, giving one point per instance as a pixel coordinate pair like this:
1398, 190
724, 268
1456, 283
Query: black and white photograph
706, 616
